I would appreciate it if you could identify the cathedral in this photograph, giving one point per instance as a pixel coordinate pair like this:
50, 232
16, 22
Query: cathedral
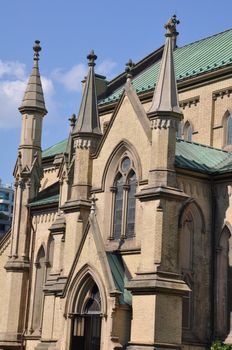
121, 235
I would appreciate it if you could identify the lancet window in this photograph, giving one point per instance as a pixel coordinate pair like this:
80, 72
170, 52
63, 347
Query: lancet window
186, 265
194, 253
38, 294
50, 254
224, 284
124, 190
188, 131
229, 130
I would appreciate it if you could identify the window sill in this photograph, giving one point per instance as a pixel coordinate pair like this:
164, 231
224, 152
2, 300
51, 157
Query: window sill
227, 148
126, 246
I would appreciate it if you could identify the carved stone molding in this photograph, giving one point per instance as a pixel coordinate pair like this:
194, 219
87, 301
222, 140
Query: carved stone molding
44, 218
82, 143
49, 170
193, 189
164, 123
193, 101
221, 93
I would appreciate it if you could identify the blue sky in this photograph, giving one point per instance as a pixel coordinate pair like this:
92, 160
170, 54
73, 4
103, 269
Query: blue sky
68, 30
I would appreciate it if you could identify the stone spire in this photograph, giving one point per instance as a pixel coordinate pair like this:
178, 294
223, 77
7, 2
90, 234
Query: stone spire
88, 120
33, 98
165, 97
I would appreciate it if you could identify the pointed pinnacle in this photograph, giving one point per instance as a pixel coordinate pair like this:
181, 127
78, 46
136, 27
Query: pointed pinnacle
37, 48
170, 26
33, 96
92, 58
129, 68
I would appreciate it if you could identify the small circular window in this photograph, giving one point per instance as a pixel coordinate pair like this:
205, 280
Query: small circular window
126, 164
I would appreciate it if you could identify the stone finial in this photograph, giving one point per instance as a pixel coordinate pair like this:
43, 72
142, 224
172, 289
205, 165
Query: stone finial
170, 26
92, 58
37, 48
72, 120
129, 68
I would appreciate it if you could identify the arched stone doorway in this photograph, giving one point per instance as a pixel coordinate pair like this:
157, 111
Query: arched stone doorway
86, 324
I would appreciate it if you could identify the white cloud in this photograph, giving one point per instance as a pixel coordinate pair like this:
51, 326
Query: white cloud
12, 69
48, 87
72, 78
13, 81
11, 93
106, 67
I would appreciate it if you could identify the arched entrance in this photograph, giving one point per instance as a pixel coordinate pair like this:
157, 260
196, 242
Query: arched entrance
86, 325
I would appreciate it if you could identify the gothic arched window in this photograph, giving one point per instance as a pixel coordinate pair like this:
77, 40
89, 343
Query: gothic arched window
229, 130
194, 255
118, 206
38, 294
186, 266
188, 131
224, 284
50, 253
179, 130
124, 190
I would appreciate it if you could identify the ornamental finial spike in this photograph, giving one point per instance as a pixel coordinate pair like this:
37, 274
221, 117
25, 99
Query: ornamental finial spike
170, 26
72, 120
129, 68
93, 203
37, 48
92, 58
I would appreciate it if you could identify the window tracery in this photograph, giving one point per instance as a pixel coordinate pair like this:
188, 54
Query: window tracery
124, 190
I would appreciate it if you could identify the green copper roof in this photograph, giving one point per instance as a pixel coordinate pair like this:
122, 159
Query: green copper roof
204, 159
56, 149
48, 200
189, 155
190, 60
119, 276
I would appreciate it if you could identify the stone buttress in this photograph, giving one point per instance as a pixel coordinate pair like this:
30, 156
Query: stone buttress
157, 288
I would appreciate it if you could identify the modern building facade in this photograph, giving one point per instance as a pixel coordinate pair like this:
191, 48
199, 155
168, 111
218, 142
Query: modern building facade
121, 234
6, 207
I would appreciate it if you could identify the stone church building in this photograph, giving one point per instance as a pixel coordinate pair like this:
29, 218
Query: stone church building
121, 234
